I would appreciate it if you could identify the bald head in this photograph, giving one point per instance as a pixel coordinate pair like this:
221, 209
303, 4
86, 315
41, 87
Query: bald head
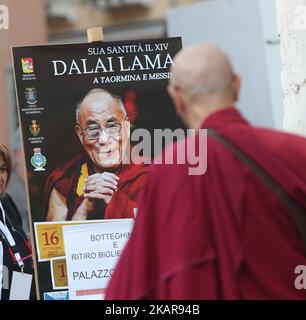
98, 98
201, 72
103, 129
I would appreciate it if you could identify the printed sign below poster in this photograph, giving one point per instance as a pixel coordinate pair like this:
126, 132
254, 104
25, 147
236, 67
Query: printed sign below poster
92, 252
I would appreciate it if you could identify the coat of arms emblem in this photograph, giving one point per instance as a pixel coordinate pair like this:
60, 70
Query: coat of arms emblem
34, 128
31, 95
38, 160
27, 65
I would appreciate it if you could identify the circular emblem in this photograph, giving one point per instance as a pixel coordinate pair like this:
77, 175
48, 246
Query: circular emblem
38, 160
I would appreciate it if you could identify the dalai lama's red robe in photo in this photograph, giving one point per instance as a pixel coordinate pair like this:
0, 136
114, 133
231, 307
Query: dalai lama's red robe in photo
221, 235
69, 180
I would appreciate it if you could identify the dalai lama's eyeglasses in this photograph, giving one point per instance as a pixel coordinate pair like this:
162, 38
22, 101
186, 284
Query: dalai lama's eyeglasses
94, 132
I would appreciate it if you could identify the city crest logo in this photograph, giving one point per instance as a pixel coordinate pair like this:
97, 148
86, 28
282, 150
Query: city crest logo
34, 128
31, 95
27, 65
38, 160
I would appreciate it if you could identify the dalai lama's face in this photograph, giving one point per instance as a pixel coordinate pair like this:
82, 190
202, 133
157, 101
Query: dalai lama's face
103, 131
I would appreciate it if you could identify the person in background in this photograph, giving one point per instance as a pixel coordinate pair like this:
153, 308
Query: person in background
17, 186
235, 232
15, 251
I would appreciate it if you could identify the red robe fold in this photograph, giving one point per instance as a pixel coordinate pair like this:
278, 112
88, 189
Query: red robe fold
221, 235
124, 201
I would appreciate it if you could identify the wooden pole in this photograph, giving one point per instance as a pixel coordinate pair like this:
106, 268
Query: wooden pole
291, 21
95, 34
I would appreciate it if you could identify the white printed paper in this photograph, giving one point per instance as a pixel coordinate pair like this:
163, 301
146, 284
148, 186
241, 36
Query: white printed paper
92, 252
21, 286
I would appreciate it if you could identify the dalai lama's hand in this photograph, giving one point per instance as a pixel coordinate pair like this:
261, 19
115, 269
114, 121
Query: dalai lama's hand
101, 186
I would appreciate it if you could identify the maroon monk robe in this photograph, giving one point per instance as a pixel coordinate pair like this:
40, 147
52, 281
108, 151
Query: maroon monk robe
221, 235
131, 181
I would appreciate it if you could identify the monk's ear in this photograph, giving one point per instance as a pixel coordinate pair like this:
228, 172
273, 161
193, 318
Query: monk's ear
177, 98
236, 87
79, 132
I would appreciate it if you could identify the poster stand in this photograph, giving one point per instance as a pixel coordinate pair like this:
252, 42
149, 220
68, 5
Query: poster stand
95, 34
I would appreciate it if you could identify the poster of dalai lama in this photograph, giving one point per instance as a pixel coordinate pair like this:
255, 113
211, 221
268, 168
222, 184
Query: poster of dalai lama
78, 106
